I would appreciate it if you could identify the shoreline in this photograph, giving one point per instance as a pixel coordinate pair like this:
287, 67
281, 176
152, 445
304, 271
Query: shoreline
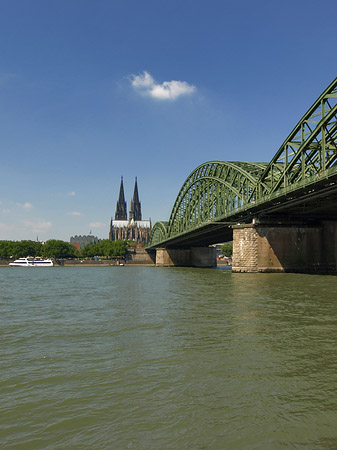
111, 263
4, 263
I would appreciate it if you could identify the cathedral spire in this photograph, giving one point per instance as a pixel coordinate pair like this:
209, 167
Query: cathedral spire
121, 213
135, 209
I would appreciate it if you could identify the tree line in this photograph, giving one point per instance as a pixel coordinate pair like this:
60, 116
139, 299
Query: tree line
107, 248
60, 249
51, 249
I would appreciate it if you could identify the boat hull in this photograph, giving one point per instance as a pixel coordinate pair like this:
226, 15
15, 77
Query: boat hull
31, 262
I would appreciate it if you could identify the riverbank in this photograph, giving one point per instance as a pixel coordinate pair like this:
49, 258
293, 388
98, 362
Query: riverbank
104, 263
137, 258
88, 263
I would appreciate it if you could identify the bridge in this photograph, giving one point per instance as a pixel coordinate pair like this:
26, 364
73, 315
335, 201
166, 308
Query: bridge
288, 205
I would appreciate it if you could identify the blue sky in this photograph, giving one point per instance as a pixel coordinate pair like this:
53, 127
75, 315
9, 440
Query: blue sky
94, 90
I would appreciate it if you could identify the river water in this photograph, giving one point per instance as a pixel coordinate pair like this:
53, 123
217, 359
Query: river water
166, 358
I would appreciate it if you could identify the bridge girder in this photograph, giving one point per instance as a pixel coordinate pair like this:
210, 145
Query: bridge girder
309, 150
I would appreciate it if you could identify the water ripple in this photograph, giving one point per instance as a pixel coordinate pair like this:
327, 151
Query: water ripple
95, 358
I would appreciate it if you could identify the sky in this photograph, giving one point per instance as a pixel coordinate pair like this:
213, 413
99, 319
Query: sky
94, 90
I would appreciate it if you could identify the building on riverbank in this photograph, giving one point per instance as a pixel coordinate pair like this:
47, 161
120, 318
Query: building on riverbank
81, 241
132, 228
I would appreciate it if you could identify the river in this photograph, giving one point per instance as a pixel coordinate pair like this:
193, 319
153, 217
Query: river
149, 358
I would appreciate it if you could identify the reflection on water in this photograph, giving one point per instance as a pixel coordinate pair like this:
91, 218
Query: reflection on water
178, 358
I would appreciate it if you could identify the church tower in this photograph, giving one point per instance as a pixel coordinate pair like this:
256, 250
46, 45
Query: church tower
135, 229
135, 209
121, 213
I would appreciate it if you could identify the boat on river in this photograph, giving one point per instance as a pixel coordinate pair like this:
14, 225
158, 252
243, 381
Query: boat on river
32, 262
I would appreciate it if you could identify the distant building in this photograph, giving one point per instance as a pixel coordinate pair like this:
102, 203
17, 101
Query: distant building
134, 228
81, 241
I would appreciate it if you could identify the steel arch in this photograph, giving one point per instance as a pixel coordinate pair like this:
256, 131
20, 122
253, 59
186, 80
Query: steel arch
158, 233
214, 189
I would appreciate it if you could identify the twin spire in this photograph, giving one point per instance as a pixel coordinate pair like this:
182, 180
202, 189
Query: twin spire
135, 212
121, 213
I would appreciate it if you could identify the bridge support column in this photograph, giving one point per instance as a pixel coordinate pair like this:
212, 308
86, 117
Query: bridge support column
193, 257
172, 257
279, 248
203, 257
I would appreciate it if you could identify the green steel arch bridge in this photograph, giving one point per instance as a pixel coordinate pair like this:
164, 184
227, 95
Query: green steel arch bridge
298, 185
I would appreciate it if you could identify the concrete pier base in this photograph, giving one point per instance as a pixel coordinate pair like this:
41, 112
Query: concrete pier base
291, 248
193, 257
203, 257
172, 257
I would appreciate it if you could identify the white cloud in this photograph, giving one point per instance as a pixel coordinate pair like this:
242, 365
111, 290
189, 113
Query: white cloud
168, 90
38, 225
6, 211
26, 205
74, 213
71, 194
144, 81
97, 225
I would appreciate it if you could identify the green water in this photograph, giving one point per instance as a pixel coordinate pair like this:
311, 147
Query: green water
149, 358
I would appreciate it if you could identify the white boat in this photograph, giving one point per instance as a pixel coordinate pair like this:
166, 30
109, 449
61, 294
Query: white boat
32, 262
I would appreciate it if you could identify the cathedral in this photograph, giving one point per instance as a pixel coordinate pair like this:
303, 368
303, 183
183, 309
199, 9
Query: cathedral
134, 228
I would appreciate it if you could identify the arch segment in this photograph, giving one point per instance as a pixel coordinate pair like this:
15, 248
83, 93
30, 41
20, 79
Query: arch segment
158, 233
308, 151
212, 191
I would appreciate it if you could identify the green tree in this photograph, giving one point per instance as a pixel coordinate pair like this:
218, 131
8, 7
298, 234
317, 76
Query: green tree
59, 249
90, 250
107, 248
115, 249
121, 248
227, 249
20, 248
28, 248
6, 249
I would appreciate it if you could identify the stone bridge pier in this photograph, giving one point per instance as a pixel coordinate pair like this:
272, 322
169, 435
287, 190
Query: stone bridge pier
192, 257
285, 248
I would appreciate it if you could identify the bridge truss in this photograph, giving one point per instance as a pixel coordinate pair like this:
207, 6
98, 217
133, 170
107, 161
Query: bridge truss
301, 178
